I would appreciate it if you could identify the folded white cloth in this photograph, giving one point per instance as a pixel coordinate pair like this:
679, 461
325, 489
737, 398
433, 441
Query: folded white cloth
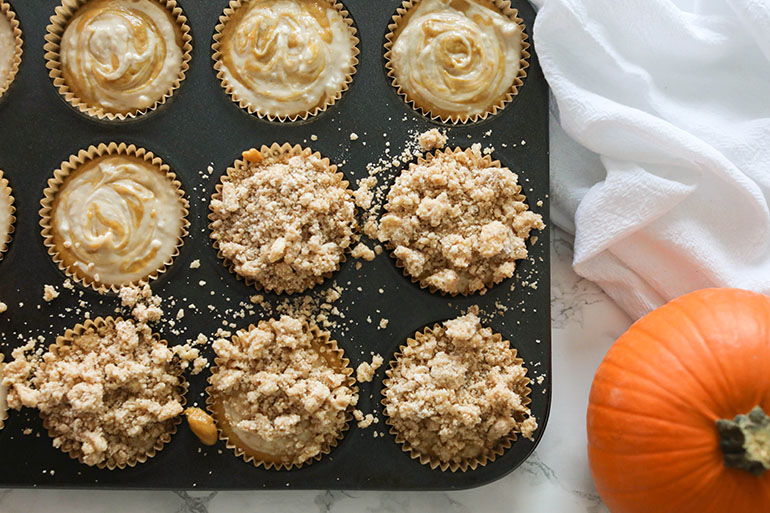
673, 99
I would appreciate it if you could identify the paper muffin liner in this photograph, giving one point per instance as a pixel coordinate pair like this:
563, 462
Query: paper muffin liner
502, 445
324, 339
273, 153
111, 464
3, 395
488, 284
390, 39
60, 177
6, 189
5, 10
254, 109
52, 47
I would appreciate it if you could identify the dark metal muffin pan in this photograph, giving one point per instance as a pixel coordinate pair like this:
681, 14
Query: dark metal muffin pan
201, 125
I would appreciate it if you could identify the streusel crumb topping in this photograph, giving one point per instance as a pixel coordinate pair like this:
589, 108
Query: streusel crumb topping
457, 391
108, 395
284, 223
282, 389
458, 223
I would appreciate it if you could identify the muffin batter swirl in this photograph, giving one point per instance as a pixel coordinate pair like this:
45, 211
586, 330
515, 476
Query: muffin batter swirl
456, 57
122, 55
286, 57
117, 220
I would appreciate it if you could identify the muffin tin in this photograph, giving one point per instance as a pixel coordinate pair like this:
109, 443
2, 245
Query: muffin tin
200, 126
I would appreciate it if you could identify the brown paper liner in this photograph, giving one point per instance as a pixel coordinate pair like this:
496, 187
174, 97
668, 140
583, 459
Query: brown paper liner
3, 411
53, 37
5, 10
273, 153
60, 177
254, 109
470, 464
505, 8
111, 464
6, 189
228, 436
391, 247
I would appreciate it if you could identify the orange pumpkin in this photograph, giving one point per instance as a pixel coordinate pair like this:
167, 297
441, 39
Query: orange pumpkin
661, 434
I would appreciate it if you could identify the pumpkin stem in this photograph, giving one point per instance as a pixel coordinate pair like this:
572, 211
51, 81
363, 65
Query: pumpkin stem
745, 441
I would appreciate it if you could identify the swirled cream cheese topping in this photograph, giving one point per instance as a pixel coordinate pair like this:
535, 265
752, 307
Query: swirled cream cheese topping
456, 57
286, 57
5, 214
7, 49
121, 55
116, 220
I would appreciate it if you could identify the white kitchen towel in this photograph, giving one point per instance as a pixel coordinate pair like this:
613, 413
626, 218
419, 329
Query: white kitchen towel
673, 99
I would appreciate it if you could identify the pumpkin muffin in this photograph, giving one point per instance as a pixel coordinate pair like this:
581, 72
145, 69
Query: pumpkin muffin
118, 58
10, 46
285, 59
113, 216
281, 393
456, 221
7, 217
282, 218
109, 392
457, 394
457, 60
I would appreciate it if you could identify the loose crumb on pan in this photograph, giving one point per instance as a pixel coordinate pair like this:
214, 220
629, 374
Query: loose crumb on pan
431, 140
283, 222
365, 371
363, 252
457, 222
195, 264
49, 293
457, 391
108, 396
282, 388
364, 420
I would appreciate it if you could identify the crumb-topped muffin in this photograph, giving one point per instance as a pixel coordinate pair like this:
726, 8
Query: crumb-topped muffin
285, 59
282, 218
281, 392
457, 60
110, 392
10, 46
457, 394
114, 216
6, 214
457, 221
119, 57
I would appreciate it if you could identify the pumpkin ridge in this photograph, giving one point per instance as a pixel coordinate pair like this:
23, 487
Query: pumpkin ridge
703, 343
647, 488
704, 388
646, 417
666, 393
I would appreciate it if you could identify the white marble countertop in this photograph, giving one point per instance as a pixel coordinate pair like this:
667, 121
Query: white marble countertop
554, 479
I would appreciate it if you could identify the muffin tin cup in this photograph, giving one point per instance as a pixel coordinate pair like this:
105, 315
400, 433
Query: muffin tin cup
72, 165
390, 39
5, 189
392, 247
52, 47
434, 463
275, 152
5, 10
111, 464
212, 406
249, 107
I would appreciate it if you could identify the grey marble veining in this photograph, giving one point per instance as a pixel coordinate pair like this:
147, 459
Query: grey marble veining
555, 479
